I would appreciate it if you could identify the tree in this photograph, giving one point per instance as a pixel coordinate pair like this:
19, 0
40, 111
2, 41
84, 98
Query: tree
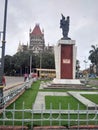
22, 62
93, 57
8, 66
48, 60
19, 63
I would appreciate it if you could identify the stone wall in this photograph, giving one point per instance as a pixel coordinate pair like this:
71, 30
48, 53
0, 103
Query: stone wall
93, 82
13, 128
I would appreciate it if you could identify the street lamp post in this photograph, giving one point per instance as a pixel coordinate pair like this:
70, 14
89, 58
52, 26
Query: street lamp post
2, 54
40, 62
86, 75
30, 64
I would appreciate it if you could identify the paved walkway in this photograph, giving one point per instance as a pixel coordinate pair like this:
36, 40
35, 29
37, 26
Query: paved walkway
40, 99
82, 99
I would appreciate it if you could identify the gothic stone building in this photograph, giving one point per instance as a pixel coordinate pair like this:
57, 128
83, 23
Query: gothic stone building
36, 42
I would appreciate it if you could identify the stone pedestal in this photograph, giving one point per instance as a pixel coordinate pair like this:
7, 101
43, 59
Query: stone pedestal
65, 62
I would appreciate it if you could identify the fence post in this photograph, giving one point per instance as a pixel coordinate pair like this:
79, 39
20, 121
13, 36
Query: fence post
96, 119
87, 116
4, 116
59, 114
78, 116
41, 114
50, 114
32, 120
68, 115
13, 113
22, 115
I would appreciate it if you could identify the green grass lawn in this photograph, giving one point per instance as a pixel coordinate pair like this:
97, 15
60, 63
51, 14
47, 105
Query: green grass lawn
64, 101
92, 97
27, 98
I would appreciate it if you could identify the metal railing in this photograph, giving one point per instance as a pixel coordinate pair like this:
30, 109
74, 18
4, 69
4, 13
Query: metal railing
59, 117
14, 93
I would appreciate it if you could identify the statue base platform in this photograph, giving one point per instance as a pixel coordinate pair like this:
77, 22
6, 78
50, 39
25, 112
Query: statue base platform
67, 81
65, 38
68, 84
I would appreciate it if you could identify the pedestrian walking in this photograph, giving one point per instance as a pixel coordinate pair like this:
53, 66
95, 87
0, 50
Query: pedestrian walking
25, 77
3, 81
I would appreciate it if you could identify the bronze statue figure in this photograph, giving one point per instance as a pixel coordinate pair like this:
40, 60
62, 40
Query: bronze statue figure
64, 24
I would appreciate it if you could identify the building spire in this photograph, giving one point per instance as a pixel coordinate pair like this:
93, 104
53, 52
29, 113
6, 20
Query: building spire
36, 30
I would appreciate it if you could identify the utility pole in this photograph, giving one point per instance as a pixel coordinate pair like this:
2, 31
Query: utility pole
40, 61
30, 64
3, 54
86, 73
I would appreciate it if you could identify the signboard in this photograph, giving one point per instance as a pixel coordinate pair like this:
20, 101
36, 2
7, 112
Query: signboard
66, 61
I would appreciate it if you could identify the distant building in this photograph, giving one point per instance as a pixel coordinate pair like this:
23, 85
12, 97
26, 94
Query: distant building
22, 47
36, 42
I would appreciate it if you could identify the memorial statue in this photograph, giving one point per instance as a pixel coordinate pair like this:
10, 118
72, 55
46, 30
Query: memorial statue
64, 24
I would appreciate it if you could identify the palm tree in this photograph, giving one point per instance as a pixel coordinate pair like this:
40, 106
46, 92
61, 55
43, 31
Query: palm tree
93, 57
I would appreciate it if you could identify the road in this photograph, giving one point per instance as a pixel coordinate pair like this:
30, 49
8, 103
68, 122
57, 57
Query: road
12, 83
13, 80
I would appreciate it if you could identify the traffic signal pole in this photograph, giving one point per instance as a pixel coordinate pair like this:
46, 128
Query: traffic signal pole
3, 54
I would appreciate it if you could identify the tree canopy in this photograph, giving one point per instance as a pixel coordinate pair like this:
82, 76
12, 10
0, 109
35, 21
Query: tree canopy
93, 57
19, 63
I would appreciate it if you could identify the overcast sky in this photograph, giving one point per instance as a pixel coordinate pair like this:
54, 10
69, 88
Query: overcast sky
24, 14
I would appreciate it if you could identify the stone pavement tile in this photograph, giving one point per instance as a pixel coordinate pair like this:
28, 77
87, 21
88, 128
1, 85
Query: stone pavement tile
40, 99
82, 99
